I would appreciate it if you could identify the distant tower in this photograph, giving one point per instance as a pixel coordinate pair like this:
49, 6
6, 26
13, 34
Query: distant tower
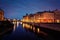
1, 15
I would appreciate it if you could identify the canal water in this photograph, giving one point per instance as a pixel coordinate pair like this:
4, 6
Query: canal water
22, 32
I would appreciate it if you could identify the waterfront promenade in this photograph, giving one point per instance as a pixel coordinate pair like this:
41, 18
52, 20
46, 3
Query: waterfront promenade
51, 29
51, 26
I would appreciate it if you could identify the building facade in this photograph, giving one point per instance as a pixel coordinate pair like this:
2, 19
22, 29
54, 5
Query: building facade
1, 15
44, 17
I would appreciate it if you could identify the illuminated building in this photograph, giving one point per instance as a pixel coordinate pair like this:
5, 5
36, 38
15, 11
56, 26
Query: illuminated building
57, 15
47, 17
43, 17
1, 15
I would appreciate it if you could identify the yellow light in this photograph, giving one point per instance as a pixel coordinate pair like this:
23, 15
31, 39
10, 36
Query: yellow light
26, 26
38, 30
14, 22
31, 27
23, 25
57, 21
14, 28
20, 22
38, 21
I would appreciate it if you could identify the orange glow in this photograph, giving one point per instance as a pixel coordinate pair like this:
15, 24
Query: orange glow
57, 21
23, 25
38, 21
31, 27
38, 30
45, 17
42, 20
34, 29
26, 26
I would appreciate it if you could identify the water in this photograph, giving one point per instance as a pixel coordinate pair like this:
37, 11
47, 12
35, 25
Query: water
21, 33
28, 32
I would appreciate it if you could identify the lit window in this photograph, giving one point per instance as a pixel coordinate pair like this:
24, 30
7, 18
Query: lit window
57, 21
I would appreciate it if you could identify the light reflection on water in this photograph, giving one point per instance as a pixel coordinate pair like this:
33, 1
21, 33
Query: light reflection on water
19, 30
16, 24
34, 29
38, 30
26, 31
27, 26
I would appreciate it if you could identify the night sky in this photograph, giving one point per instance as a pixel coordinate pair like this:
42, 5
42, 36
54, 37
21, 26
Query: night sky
19, 8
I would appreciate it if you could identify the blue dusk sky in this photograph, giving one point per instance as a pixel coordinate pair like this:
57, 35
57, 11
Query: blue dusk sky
19, 8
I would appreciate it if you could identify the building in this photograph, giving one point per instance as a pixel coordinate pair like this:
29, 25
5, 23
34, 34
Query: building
47, 17
43, 17
57, 15
1, 15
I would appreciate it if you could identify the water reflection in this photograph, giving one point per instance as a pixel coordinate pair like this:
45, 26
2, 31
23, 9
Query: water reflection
27, 26
42, 32
34, 29
16, 24
19, 32
38, 30
26, 31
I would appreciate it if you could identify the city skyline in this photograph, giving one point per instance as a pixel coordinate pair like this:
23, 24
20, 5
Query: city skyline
19, 8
